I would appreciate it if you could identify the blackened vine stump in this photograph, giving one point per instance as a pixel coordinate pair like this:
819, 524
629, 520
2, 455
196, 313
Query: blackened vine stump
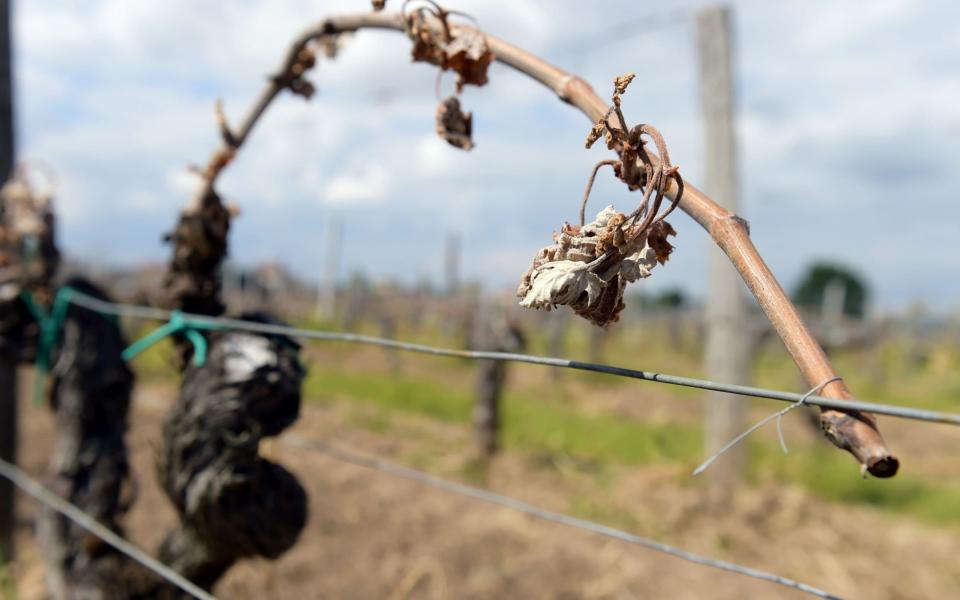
232, 502
199, 240
90, 396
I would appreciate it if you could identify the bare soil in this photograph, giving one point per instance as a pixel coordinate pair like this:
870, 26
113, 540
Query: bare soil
372, 535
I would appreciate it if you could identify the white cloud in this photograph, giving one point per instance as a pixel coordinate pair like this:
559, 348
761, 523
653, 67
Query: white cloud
368, 185
119, 95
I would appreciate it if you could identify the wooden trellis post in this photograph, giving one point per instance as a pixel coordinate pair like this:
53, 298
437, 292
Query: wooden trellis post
729, 344
493, 333
8, 368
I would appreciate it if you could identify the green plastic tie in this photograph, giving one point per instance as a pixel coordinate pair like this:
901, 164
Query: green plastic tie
177, 324
50, 326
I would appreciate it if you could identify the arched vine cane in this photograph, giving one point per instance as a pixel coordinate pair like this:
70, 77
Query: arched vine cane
855, 432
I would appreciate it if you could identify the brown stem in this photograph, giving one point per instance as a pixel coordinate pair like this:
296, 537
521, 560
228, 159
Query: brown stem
855, 432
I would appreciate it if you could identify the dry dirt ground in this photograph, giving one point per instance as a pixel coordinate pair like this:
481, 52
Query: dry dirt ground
371, 535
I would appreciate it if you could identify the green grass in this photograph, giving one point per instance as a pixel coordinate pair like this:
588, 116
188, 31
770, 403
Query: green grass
543, 422
545, 426
831, 475
542, 425
8, 589
530, 424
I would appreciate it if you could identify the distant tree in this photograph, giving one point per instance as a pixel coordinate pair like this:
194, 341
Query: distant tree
812, 290
672, 298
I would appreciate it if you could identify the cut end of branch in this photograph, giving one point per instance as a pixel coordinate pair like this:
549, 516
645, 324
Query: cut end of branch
884, 467
857, 433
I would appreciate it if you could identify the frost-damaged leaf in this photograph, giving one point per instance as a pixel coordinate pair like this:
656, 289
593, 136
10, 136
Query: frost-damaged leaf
454, 125
639, 264
587, 268
596, 132
466, 53
620, 84
426, 47
470, 57
562, 282
657, 238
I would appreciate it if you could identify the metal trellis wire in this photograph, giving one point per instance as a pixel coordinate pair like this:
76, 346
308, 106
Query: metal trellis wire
152, 313
75, 514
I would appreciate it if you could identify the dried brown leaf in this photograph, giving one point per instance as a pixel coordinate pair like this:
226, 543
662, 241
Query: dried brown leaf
596, 132
620, 83
378, 5
469, 56
657, 239
454, 125
426, 47
467, 53
607, 308
566, 272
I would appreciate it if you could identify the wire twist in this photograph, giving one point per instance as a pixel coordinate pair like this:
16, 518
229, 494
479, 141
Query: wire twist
777, 415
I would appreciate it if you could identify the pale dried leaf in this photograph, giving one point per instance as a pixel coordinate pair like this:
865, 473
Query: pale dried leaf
561, 282
603, 219
638, 265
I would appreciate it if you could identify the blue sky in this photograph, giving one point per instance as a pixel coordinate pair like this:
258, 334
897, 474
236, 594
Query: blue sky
849, 116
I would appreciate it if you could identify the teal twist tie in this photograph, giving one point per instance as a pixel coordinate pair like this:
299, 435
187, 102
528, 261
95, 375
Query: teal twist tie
178, 323
50, 327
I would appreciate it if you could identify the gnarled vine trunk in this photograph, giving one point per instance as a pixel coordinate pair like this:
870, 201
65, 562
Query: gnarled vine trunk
90, 397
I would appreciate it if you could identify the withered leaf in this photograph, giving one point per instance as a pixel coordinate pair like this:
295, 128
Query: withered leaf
596, 132
469, 56
620, 83
657, 238
607, 309
426, 47
454, 125
467, 53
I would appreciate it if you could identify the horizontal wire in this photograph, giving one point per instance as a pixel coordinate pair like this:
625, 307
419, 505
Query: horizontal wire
147, 312
370, 462
75, 514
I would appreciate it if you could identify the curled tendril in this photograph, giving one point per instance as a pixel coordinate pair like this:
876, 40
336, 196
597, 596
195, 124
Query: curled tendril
652, 176
586, 192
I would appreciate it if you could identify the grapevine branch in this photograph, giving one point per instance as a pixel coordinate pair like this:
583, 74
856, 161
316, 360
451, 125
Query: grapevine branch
853, 431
